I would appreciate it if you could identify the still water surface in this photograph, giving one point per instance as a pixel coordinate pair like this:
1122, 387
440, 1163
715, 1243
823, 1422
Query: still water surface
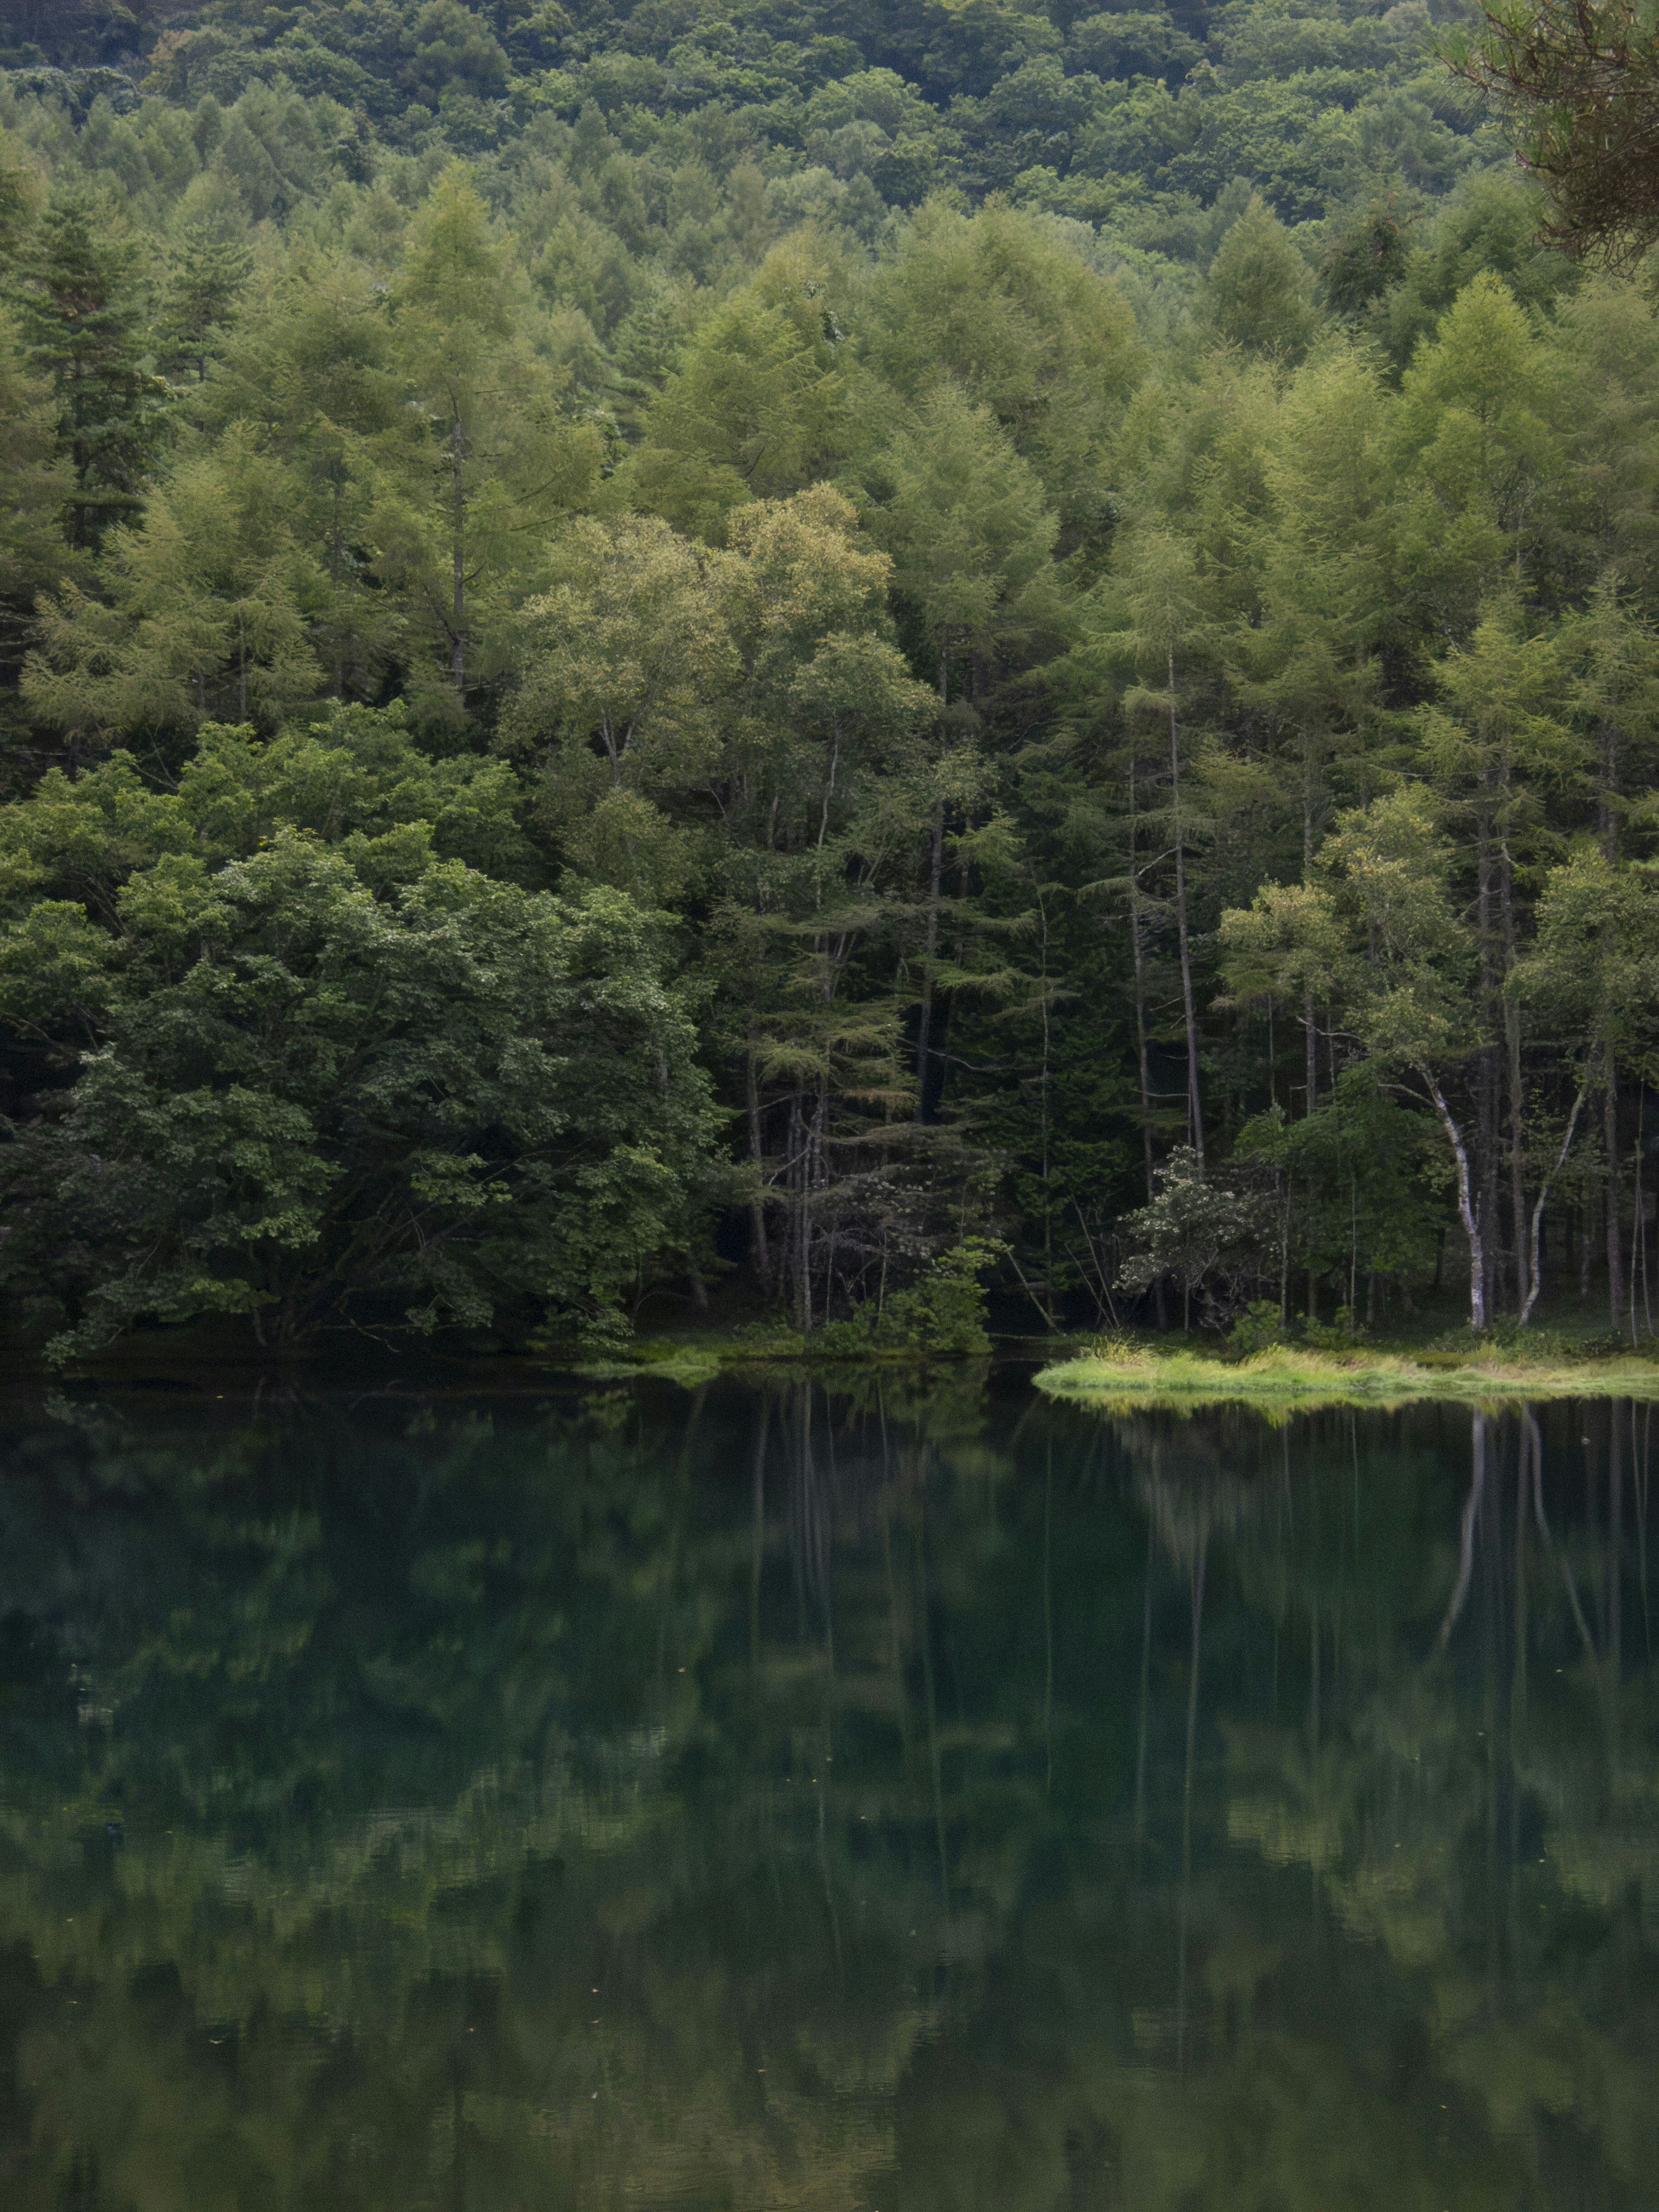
876, 1796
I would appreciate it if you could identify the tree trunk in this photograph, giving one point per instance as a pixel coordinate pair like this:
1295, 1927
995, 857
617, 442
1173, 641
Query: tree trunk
1194, 1102
1607, 786
458, 559
1525, 1293
1610, 1138
925, 1022
1468, 1212
758, 1240
1487, 1085
1137, 949
800, 1227
1536, 1272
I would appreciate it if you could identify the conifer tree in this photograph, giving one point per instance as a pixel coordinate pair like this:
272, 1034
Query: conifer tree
207, 275
78, 307
32, 484
499, 459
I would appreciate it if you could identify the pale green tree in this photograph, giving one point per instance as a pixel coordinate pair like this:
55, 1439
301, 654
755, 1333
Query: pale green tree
499, 459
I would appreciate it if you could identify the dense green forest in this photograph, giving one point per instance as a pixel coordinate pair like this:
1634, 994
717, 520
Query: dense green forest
797, 656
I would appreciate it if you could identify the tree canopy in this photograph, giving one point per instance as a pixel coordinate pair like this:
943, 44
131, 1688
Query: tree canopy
1062, 605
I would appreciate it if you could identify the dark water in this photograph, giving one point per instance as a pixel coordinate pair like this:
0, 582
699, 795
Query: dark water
807, 1799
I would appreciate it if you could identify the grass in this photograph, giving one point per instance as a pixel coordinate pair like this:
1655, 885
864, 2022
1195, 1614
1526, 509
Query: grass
1287, 1378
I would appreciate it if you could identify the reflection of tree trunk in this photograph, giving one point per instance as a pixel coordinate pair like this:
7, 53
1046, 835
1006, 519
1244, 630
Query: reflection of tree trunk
896, 1641
1640, 1475
1466, 1542
933, 1768
1518, 1683
1187, 1795
1615, 1545
1582, 1624
1048, 1622
1146, 1697
457, 2191
1313, 1678
758, 1534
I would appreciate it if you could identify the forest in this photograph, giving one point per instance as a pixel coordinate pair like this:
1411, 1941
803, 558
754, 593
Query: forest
791, 665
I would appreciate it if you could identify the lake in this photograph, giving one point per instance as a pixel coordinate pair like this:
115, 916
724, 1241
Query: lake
886, 1794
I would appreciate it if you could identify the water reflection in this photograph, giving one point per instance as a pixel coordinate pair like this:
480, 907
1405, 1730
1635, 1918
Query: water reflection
883, 1797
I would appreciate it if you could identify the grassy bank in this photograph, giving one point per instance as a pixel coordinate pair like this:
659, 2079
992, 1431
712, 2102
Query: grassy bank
1288, 1376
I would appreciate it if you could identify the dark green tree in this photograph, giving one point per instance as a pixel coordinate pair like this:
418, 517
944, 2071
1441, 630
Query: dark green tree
207, 273
77, 304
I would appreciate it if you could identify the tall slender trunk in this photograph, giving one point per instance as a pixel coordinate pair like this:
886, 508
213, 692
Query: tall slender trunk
925, 1022
1607, 786
1143, 1060
1638, 1214
813, 1180
1310, 1030
1487, 1084
1194, 1102
801, 1227
457, 556
1043, 1086
1137, 949
336, 563
1536, 1269
1610, 1138
1524, 1292
762, 1256
1468, 1212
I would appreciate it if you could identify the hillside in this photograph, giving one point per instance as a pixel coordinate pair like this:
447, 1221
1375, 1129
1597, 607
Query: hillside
813, 656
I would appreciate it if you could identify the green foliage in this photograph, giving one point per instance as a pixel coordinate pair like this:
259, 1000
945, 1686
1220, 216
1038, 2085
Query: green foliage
314, 1105
1258, 1328
942, 1314
1358, 1183
1258, 291
1212, 1239
1093, 565
78, 320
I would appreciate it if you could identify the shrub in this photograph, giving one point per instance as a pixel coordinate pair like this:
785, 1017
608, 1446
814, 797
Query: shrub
1258, 1328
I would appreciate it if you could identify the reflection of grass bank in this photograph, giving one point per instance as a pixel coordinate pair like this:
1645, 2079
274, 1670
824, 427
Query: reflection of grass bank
1286, 1376
692, 1360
